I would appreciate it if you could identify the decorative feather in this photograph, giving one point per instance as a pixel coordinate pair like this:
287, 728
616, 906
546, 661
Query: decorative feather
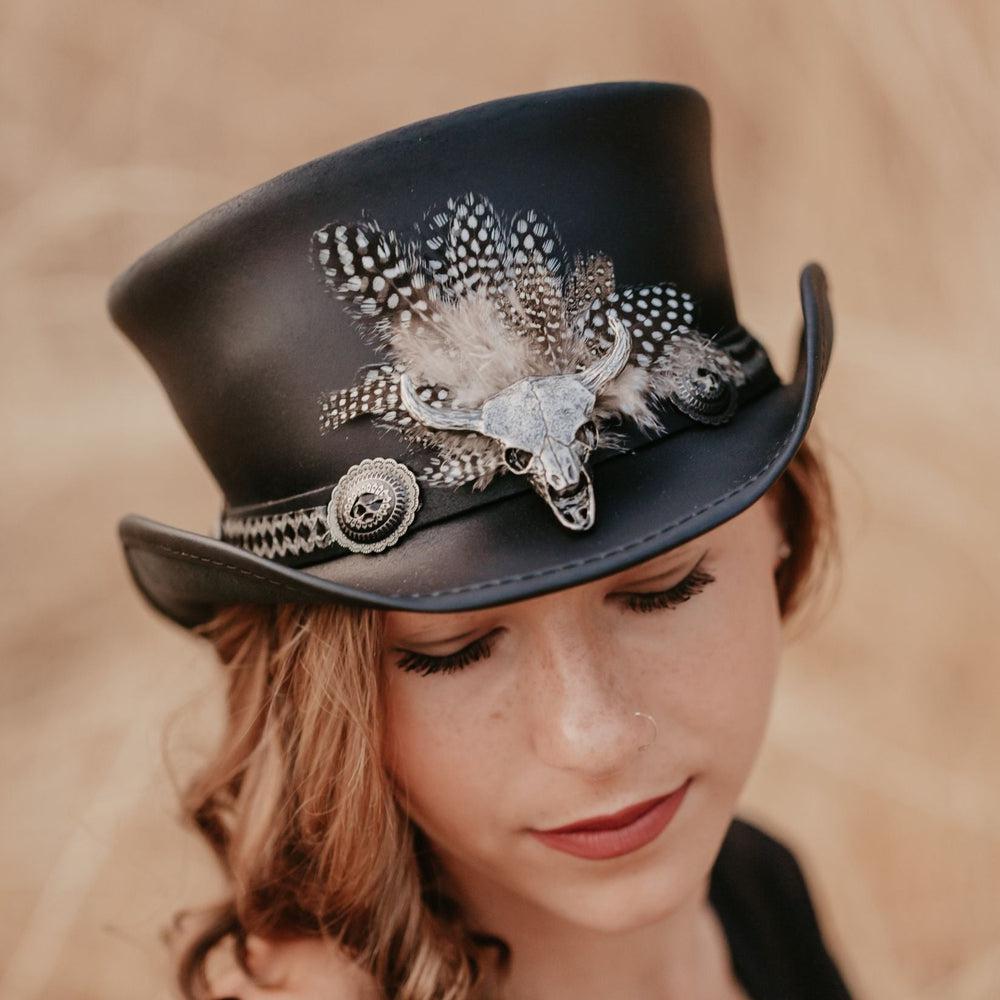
483, 302
377, 394
533, 239
465, 249
381, 277
461, 467
469, 349
592, 278
533, 309
650, 312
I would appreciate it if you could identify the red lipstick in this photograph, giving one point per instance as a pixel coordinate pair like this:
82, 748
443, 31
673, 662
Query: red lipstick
616, 834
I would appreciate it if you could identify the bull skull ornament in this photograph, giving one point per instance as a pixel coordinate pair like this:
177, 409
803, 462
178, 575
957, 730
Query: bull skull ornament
502, 359
544, 425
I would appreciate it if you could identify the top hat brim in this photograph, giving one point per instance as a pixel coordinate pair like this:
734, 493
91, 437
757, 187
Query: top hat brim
649, 500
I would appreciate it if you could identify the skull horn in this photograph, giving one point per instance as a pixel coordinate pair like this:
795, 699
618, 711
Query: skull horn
452, 419
610, 366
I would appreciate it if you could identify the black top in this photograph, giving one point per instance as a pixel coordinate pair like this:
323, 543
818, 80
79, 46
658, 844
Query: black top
762, 899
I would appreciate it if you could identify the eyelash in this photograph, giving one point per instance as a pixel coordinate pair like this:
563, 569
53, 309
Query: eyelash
422, 664
694, 583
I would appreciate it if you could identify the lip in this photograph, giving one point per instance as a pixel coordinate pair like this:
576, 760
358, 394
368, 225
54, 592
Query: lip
616, 834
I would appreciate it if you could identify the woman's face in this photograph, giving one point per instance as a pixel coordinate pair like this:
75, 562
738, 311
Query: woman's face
534, 727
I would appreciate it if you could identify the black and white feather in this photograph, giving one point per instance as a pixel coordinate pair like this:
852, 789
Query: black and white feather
477, 302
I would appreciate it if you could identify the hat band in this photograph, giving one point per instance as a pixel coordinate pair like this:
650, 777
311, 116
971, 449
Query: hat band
295, 531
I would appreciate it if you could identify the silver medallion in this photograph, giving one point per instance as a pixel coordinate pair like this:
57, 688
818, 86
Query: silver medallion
706, 395
373, 505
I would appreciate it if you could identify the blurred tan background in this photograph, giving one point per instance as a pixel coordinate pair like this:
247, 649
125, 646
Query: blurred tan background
862, 133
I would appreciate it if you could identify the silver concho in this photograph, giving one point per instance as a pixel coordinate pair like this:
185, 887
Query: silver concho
707, 396
373, 505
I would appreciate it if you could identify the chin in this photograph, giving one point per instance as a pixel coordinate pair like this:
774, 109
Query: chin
619, 911
612, 903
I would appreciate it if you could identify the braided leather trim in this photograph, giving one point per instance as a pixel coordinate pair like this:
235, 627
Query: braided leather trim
278, 535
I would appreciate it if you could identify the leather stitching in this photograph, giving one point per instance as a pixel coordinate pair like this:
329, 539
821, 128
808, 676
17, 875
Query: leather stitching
486, 584
618, 549
184, 554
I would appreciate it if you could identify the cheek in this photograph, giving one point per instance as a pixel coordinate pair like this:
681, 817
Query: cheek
713, 673
748, 651
442, 751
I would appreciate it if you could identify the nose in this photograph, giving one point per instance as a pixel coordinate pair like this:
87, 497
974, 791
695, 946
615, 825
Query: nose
582, 715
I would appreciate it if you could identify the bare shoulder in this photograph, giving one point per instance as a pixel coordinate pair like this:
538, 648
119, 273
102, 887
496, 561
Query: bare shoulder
301, 969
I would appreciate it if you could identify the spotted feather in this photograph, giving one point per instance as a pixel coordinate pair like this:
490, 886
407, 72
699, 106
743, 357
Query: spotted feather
381, 276
442, 307
460, 469
533, 239
591, 278
465, 249
376, 394
532, 306
651, 313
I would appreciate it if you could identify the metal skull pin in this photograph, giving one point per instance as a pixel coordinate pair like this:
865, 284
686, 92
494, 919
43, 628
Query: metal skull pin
373, 505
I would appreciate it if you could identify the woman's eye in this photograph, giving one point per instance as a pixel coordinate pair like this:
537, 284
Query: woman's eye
423, 664
694, 583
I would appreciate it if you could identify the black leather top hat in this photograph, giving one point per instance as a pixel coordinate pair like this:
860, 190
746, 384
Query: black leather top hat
479, 358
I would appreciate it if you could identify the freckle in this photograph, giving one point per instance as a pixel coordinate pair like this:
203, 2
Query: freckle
498, 714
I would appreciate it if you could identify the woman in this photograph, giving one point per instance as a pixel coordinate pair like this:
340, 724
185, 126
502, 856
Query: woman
514, 508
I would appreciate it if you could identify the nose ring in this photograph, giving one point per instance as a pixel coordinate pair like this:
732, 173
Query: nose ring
656, 729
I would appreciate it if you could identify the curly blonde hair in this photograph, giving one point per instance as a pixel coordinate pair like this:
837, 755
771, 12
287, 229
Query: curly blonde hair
302, 814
